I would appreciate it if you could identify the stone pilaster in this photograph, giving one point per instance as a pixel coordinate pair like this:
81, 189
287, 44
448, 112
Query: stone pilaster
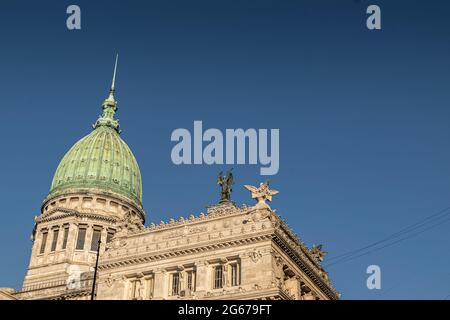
160, 286
203, 278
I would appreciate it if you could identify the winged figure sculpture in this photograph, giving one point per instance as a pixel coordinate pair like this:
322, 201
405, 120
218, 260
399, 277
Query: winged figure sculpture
262, 194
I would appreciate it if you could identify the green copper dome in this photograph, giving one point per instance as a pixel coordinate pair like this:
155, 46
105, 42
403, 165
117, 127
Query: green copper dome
101, 160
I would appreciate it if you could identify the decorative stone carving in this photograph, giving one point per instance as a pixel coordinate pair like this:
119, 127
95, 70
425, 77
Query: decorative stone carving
221, 209
318, 253
118, 242
176, 233
278, 263
258, 214
181, 232
255, 255
109, 280
261, 194
130, 223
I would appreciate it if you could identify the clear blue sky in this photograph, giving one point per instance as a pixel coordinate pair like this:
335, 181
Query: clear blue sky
363, 117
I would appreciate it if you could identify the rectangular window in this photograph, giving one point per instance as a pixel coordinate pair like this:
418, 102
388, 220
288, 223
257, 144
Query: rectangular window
175, 284
234, 275
44, 242
54, 240
81, 238
95, 239
189, 280
109, 236
65, 236
218, 277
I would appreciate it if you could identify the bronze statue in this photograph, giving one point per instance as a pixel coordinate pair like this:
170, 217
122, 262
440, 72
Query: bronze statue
225, 182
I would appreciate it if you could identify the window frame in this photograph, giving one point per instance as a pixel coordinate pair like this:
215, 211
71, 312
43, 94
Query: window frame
175, 286
81, 228
43, 241
235, 277
109, 235
97, 231
191, 278
218, 277
54, 244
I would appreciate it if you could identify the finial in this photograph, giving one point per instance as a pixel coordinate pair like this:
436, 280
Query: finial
111, 98
114, 74
109, 106
262, 194
318, 253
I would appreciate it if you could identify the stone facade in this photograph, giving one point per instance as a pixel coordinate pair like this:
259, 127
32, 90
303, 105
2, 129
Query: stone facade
270, 262
228, 253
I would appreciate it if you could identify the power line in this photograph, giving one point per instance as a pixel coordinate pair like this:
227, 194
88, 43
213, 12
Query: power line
351, 256
394, 235
387, 245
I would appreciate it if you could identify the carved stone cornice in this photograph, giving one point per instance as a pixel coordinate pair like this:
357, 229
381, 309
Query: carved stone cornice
77, 192
218, 213
65, 213
251, 293
296, 241
72, 295
113, 262
313, 273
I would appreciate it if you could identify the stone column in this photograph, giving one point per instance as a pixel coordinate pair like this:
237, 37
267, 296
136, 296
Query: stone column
35, 251
88, 240
103, 239
248, 272
225, 278
149, 287
60, 239
72, 240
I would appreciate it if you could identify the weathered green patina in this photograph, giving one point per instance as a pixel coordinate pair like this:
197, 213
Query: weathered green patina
101, 160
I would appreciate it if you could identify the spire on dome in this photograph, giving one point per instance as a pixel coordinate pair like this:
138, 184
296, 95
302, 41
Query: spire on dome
111, 91
109, 106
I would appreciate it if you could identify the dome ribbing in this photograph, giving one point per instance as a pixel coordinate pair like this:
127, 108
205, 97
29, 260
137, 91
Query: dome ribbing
101, 160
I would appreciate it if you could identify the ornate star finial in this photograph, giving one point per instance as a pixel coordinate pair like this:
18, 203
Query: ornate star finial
262, 194
318, 252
